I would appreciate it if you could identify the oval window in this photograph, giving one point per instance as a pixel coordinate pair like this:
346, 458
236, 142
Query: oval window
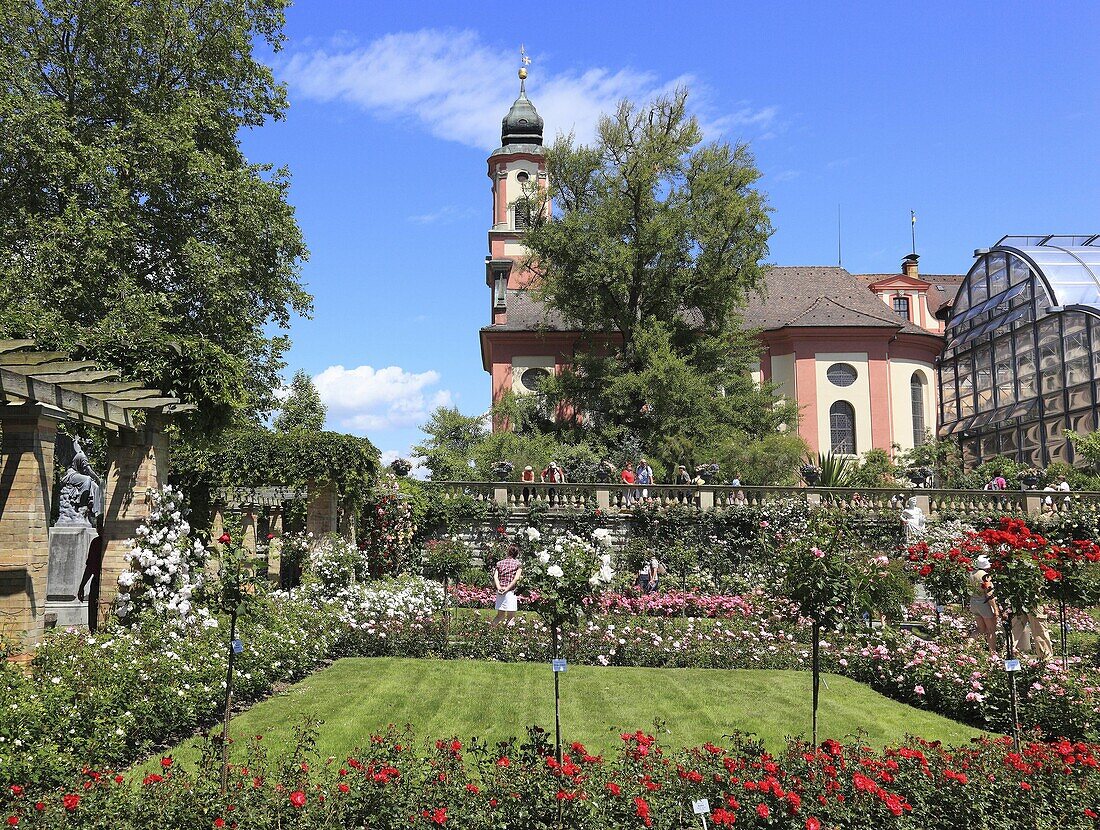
522, 176
533, 379
841, 374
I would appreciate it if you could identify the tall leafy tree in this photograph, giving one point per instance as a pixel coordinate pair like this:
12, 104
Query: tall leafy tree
132, 228
654, 239
302, 408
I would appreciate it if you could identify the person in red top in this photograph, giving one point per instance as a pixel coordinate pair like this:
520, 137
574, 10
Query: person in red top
506, 575
552, 475
628, 478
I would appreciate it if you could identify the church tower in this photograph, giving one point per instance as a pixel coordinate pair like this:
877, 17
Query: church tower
516, 169
521, 345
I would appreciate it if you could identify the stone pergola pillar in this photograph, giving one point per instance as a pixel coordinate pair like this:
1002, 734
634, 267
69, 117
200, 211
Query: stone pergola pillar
275, 545
26, 492
322, 511
248, 528
137, 464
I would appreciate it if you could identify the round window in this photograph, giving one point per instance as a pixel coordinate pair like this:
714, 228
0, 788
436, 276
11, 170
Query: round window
522, 175
533, 379
841, 374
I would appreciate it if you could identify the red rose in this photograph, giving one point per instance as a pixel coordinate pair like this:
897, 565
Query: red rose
298, 798
16, 789
813, 824
219, 822
40, 806
763, 811
13, 820
270, 536
614, 788
152, 778
439, 815
225, 539
166, 762
344, 788
70, 801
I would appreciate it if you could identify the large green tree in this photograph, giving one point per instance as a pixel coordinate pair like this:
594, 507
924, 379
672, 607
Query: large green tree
653, 241
132, 228
302, 408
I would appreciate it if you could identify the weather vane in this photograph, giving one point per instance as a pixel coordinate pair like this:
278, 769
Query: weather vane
525, 61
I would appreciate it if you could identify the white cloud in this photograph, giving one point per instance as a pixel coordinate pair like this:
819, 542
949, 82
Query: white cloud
786, 175
443, 216
365, 399
458, 87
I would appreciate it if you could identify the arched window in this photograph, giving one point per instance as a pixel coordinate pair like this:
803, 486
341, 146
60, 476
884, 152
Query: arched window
522, 214
842, 428
916, 398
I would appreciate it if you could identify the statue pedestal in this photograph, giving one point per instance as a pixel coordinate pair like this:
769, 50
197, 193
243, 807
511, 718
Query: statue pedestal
69, 546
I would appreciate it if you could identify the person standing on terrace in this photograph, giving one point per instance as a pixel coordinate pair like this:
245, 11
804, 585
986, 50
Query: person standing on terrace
983, 604
627, 477
506, 576
644, 475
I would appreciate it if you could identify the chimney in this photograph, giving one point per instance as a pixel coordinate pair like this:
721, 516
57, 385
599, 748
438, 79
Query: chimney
909, 265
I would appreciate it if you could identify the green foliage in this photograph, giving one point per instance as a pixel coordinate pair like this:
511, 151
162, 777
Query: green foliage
302, 408
655, 240
875, 469
447, 559
132, 227
942, 457
258, 457
448, 449
771, 459
836, 470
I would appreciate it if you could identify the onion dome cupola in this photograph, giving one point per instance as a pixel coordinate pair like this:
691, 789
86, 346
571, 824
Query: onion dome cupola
522, 124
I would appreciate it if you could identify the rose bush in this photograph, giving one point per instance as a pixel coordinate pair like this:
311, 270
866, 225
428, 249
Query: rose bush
395, 782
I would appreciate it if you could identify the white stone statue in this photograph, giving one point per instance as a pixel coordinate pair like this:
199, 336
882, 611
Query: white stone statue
914, 520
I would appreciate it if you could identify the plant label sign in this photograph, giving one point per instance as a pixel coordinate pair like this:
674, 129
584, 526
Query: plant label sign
237, 646
700, 807
558, 664
1012, 665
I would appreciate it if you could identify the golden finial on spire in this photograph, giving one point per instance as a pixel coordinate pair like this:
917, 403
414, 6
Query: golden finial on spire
524, 61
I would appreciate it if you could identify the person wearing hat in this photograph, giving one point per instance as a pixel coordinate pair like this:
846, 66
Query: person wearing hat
528, 476
552, 475
982, 602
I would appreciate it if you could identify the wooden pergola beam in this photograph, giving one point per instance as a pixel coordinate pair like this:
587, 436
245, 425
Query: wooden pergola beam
23, 357
58, 377
127, 395
99, 388
54, 367
15, 345
147, 403
80, 407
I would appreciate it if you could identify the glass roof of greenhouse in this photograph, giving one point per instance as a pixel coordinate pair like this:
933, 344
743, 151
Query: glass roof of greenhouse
1070, 264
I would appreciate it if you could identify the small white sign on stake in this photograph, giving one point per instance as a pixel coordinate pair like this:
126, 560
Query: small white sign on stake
1012, 665
558, 664
237, 646
700, 807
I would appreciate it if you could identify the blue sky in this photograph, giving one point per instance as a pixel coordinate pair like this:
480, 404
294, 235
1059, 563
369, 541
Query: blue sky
983, 118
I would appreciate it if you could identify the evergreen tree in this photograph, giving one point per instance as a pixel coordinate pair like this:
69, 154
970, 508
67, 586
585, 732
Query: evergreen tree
132, 228
302, 408
654, 240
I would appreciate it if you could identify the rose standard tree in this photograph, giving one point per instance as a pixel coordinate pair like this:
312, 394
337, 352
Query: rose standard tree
564, 578
828, 581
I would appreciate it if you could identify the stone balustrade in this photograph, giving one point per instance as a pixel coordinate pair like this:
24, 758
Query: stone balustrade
613, 498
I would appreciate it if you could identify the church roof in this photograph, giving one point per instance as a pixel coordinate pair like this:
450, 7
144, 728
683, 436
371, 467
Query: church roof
522, 125
799, 296
819, 296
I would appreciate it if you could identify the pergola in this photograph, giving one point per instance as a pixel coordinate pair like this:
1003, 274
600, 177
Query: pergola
38, 391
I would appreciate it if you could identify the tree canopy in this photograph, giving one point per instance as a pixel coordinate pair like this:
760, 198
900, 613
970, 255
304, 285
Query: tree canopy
132, 228
302, 408
653, 241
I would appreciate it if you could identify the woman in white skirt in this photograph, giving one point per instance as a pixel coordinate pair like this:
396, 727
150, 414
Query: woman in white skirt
506, 576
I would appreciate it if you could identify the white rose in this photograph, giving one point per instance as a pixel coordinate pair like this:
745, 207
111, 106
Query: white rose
543, 557
555, 571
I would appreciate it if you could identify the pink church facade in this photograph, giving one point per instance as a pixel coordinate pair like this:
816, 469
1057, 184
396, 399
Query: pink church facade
856, 352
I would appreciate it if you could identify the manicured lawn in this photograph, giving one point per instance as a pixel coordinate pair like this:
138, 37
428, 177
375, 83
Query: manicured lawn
494, 701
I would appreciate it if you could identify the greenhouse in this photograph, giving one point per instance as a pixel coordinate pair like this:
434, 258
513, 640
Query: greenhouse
1021, 360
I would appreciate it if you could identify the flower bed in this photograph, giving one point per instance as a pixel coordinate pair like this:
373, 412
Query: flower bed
394, 783
673, 603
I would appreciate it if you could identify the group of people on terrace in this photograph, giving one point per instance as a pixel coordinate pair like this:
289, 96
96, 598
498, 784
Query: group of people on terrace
1030, 634
639, 474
